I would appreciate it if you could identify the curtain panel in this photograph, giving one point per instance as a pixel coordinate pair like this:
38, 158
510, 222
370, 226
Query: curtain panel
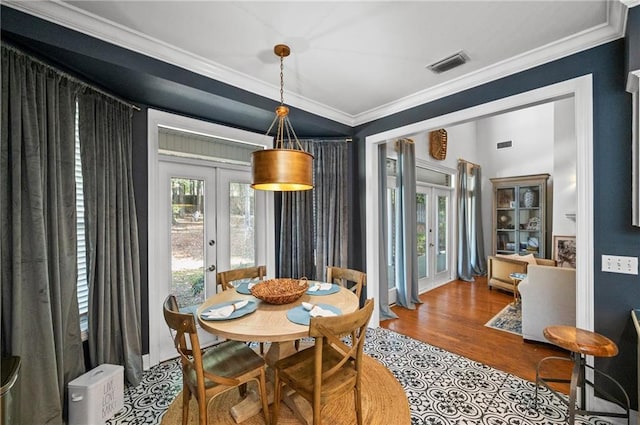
296, 235
383, 266
314, 224
471, 257
406, 224
113, 263
40, 318
330, 199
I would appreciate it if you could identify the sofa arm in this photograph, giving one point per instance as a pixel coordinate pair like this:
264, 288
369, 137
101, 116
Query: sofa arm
546, 262
499, 269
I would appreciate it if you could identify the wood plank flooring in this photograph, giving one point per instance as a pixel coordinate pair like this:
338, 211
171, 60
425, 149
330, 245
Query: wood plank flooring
452, 317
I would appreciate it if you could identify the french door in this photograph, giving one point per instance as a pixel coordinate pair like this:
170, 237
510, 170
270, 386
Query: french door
206, 222
433, 235
433, 230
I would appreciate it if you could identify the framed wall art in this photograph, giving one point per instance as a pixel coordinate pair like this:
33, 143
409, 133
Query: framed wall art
564, 251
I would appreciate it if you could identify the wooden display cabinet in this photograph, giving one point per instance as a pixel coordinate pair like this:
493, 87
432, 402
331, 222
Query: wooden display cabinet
520, 215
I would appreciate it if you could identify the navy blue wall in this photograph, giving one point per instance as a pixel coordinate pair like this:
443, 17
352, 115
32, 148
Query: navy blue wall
615, 294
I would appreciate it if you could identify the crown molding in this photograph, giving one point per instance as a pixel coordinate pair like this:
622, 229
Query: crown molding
612, 30
79, 20
630, 3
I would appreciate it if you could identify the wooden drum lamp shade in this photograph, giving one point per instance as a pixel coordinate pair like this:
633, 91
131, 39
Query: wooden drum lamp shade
287, 167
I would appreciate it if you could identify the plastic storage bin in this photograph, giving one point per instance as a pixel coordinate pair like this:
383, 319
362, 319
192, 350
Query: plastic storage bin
9, 393
97, 395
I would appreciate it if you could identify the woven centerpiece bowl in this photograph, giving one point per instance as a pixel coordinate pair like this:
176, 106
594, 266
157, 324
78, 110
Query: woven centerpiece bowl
280, 291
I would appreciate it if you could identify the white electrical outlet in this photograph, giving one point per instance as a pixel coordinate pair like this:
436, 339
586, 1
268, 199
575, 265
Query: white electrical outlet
619, 264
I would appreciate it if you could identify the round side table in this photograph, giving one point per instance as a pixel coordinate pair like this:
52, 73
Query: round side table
581, 343
516, 278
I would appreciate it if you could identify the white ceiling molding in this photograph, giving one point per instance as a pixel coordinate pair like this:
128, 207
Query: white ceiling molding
613, 30
79, 20
85, 22
630, 3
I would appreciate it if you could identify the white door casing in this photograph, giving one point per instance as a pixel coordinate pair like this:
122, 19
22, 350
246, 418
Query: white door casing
265, 245
581, 89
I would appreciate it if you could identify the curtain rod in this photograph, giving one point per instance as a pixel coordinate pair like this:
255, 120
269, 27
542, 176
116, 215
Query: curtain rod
69, 76
469, 162
328, 139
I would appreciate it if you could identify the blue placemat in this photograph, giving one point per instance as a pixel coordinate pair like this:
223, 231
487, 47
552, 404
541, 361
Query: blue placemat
301, 316
243, 288
247, 309
334, 288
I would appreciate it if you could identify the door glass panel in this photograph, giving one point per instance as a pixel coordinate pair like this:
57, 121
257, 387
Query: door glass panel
187, 241
421, 230
442, 226
242, 225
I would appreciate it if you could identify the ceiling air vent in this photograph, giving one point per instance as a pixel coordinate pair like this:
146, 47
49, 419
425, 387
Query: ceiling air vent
449, 62
504, 145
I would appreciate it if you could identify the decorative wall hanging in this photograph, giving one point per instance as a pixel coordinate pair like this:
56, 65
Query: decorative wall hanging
438, 144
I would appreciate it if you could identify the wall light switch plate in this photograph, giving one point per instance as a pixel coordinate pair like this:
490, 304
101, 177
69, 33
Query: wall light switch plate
619, 264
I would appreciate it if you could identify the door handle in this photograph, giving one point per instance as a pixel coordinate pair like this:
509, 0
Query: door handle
211, 268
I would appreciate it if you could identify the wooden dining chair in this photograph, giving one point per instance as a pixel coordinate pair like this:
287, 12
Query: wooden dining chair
353, 280
330, 368
226, 278
208, 374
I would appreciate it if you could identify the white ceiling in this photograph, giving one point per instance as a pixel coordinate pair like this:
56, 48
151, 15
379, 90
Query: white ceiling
350, 61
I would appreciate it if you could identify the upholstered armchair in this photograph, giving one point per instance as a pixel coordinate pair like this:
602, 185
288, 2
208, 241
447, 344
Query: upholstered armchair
548, 297
500, 267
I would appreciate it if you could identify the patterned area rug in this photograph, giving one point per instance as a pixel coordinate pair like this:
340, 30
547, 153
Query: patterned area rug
509, 319
442, 388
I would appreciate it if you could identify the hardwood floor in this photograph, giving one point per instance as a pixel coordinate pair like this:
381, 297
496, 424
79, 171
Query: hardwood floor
452, 317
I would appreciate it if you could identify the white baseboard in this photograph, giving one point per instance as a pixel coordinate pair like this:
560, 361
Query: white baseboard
146, 362
603, 405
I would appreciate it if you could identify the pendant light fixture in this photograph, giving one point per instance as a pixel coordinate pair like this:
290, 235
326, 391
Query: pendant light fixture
288, 166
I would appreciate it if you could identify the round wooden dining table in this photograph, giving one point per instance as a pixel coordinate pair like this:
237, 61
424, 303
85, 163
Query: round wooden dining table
269, 323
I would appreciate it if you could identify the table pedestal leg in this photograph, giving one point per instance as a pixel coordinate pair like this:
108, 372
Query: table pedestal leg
299, 405
279, 350
251, 405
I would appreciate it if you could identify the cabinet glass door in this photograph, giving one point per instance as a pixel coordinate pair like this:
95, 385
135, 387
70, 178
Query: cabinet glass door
506, 220
529, 220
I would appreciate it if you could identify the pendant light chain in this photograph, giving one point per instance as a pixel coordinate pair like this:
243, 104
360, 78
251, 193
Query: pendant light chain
281, 79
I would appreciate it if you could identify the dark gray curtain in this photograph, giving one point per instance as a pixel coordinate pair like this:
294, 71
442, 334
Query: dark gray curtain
383, 265
296, 235
40, 319
471, 257
308, 242
406, 225
113, 264
330, 198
